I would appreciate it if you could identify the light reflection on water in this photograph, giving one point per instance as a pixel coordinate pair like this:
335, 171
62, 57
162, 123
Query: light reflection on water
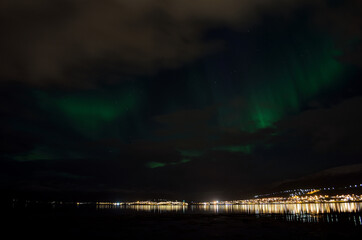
147, 208
313, 208
313, 212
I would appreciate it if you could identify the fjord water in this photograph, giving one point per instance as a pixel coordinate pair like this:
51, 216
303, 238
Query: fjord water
312, 212
264, 221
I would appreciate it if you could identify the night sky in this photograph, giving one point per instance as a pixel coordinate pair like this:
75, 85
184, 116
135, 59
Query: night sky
179, 99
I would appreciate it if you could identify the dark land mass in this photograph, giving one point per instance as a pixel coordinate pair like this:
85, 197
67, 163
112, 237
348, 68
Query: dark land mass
93, 224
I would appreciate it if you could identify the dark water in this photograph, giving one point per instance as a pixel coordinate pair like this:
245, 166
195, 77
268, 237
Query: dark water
314, 212
267, 221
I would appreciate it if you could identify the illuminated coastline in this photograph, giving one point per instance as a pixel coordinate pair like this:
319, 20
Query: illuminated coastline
346, 198
150, 203
290, 200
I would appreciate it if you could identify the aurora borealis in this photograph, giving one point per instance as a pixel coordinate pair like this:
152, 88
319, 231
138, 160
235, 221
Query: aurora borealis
190, 102
92, 113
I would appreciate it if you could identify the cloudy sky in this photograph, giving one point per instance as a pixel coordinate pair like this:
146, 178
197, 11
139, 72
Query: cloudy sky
182, 99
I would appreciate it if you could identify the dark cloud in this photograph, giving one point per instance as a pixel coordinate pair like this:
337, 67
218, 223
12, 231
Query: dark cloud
122, 178
197, 129
54, 42
343, 20
195, 122
334, 129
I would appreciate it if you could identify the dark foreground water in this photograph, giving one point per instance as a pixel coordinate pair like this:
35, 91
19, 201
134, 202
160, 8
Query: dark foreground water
269, 221
316, 212
350, 212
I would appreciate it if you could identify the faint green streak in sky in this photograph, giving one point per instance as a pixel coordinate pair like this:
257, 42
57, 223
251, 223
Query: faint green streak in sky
159, 164
155, 164
247, 149
34, 155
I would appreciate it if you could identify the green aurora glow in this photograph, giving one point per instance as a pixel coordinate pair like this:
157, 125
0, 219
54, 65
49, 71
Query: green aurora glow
297, 82
286, 80
160, 164
155, 164
247, 149
94, 114
279, 84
